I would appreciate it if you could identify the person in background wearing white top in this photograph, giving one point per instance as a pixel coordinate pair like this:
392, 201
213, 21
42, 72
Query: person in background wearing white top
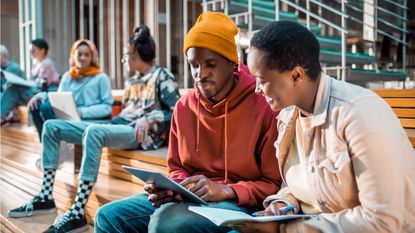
342, 151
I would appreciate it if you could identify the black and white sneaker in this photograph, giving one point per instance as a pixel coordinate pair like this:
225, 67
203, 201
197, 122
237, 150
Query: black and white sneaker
68, 223
36, 206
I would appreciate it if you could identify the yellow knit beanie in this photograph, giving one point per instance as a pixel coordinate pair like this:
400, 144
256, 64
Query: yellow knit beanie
214, 31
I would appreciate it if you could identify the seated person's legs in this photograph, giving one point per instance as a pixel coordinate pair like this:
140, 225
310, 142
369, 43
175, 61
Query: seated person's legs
175, 217
12, 97
106, 135
94, 137
55, 131
127, 215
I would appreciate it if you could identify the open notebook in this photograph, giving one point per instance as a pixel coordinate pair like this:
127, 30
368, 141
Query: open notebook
224, 217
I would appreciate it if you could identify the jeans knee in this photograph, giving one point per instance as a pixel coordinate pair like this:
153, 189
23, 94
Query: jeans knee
93, 132
51, 126
105, 218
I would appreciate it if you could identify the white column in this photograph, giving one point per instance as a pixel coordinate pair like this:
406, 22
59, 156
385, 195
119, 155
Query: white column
185, 65
65, 34
73, 21
343, 23
27, 37
22, 46
91, 20
137, 11
124, 31
58, 50
112, 40
81, 19
101, 34
168, 34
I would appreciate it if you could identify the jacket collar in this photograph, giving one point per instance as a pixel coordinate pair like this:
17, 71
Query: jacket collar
321, 106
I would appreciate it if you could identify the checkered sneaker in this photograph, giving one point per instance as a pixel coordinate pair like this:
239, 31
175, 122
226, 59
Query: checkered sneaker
34, 206
68, 223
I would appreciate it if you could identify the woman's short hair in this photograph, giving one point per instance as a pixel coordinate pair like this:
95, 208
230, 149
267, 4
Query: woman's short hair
41, 43
286, 45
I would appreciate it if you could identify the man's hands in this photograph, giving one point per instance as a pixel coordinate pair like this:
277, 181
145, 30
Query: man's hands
207, 189
199, 185
159, 197
141, 129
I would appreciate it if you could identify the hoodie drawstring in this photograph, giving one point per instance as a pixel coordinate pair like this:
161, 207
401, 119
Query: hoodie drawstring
198, 124
226, 142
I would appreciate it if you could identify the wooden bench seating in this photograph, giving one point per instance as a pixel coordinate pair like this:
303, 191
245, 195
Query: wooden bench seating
402, 103
20, 148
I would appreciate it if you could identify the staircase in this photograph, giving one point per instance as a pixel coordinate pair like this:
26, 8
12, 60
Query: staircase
348, 38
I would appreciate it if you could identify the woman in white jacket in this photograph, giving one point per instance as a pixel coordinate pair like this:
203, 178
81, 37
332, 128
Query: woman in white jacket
342, 152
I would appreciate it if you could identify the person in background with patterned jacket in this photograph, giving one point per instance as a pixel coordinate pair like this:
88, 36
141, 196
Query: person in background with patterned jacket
144, 123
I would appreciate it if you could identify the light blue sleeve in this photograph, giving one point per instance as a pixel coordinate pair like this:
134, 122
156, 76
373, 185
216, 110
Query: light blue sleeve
104, 107
63, 83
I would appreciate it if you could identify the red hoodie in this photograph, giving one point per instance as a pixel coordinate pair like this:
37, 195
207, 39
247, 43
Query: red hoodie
229, 142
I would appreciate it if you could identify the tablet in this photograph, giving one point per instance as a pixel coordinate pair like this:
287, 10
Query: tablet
162, 181
64, 106
16, 80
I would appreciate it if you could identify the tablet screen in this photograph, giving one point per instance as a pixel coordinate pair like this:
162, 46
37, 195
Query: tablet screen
162, 181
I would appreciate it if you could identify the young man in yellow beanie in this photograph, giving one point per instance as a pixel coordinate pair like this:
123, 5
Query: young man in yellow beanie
221, 142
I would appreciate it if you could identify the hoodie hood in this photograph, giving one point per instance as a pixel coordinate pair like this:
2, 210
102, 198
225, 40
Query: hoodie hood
244, 86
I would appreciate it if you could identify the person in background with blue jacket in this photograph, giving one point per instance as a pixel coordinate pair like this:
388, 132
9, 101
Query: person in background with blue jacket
90, 86
8, 65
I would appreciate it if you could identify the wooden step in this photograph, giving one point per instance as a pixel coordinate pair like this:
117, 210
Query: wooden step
28, 178
19, 155
21, 148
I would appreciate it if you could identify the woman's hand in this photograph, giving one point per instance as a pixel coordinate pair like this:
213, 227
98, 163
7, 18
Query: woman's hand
33, 102
159, 197
259, 227
265, 227
141, 130
207, 189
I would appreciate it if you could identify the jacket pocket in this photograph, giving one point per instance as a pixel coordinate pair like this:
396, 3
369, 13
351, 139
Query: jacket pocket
336, 162
336, 180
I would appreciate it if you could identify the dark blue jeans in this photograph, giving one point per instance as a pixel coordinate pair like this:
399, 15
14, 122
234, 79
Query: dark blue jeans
136, 214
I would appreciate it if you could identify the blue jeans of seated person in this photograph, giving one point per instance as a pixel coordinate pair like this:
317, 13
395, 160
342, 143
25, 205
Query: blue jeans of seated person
136, 214
43, 113
14, 96
92, 136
